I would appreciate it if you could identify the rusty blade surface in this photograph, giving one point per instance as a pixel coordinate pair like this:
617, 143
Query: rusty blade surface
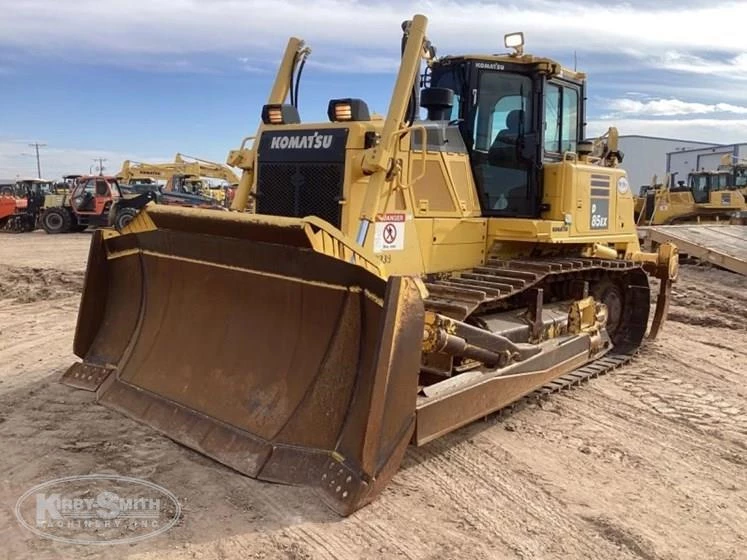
280, 362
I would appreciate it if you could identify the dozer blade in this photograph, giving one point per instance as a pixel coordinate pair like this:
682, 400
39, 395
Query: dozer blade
232, 336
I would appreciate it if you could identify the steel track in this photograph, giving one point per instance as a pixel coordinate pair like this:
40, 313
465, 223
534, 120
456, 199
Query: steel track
499, 282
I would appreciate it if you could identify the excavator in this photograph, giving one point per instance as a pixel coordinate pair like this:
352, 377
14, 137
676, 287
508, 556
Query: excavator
181, 176
213, 170
403, 275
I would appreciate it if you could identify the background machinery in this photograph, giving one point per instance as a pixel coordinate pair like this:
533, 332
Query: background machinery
185, 176
88, 201
98, 200
708, 196
401, 277
21, 204
213, 170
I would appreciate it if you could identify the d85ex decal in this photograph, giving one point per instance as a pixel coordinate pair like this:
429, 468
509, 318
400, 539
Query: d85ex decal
600, 213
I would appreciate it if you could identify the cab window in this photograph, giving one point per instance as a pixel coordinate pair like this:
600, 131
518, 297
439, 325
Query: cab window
502, 120
450, 80
561, 119
699, 182
503, 108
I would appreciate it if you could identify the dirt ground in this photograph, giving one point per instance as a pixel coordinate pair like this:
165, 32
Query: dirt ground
647, 462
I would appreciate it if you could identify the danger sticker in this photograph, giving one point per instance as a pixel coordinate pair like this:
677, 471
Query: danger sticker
390, 232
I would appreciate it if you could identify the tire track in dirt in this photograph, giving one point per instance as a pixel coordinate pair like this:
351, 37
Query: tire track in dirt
35, 337
498, 481
611, 409
684, 402
647, 426
685, 497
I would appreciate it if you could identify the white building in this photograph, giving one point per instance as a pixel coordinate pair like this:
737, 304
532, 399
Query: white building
646, 156
702, 159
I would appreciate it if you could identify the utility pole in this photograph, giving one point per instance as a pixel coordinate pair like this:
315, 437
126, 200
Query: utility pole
36, 145
101, 164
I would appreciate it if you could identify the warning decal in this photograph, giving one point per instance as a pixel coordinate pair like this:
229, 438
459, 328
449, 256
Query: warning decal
390, 232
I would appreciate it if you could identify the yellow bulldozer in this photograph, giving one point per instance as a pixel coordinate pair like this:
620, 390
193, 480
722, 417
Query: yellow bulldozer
402, 276
708, 196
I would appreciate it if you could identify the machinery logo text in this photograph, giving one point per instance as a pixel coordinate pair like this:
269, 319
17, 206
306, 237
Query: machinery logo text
97, 509
314, 141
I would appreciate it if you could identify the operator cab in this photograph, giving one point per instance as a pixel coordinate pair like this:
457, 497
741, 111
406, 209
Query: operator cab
701, 184
515, 112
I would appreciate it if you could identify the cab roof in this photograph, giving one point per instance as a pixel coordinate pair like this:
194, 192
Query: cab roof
552, 67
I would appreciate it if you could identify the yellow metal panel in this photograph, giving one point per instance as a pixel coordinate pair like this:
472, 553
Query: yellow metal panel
589, 196
517, 229
445, 258
457, 244
424, 228
464, 184
433, 187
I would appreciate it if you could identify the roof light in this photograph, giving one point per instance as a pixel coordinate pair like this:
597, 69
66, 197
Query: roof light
514, 41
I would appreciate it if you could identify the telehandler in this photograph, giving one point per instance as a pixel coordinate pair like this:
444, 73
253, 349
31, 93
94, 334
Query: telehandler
402, 276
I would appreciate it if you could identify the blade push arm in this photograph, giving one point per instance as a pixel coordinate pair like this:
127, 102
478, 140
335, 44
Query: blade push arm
243, 158
377, 159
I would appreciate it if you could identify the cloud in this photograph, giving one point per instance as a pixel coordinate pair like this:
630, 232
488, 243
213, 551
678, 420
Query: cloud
237, 26
687, 58
732, 68
17, 159
716, 131
670, 107
357, 64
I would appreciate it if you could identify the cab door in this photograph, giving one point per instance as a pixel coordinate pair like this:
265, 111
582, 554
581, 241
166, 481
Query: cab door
83, 197
700, 189
103, 195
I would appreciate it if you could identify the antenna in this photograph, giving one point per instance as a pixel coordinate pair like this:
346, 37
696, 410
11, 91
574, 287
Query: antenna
575, 61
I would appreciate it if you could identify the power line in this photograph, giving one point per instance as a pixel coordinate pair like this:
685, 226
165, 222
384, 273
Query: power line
101, 164
36, 146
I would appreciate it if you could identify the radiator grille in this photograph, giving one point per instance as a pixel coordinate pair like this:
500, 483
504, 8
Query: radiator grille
301, 189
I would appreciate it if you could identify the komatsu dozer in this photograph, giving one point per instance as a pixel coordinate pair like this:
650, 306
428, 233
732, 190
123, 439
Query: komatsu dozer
709, 196
403, 275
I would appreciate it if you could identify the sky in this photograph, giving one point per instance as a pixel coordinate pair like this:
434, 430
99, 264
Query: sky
145, 79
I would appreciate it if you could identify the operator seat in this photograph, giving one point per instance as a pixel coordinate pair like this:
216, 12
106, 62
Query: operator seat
506, 178
504, 151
